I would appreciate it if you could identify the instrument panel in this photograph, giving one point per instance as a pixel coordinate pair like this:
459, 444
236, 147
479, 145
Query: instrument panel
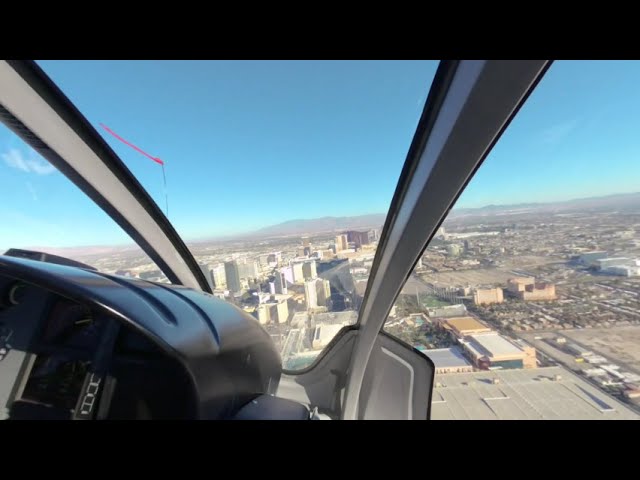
81, 344
52, 347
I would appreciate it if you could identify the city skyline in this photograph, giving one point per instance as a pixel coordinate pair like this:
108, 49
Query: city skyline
256, 234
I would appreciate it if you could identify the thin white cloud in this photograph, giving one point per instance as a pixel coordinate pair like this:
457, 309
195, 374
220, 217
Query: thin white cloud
32, 191
14, 158
559, 131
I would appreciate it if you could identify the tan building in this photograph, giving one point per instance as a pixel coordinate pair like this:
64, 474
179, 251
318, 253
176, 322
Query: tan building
327, 254
218, 275
281, 311
463, 326
493, 351
261, 313
310, 294
342, 242
526, 288
487, 296
518, 284
323, 290
298, 272
273, 311
309, 270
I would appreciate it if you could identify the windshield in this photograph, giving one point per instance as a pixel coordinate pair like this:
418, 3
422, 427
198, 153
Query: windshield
278, 175
527, 297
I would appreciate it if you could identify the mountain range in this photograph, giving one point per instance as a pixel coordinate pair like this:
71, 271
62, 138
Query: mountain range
619, 202
323, 224
623, 202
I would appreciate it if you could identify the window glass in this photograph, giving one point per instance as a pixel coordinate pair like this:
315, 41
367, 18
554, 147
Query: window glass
527, 298
278, 175
43, 211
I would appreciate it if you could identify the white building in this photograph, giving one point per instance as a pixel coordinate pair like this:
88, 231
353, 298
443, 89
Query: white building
310, 294
280, 282
622, 270
298, 272
218, 275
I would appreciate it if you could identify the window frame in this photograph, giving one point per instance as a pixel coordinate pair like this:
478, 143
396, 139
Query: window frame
470, 105
34, 108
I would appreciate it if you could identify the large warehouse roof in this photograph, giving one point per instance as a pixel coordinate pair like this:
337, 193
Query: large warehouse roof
447, 357
523, 395
493, 345
463, 324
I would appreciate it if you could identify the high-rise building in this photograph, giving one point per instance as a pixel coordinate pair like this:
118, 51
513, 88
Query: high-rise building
288, 274
342, 243
218, 276
232, 274
272, 287
323, 292
274, 259
526, 288
298, 273
263, 313
310, 294
327, 253
309, 270
359, 238
247, 268
281, 282
281, 312
305, 241
207, 274
487, 296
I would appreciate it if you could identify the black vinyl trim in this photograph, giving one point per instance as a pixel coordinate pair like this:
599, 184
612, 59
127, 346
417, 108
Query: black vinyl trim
421, 354
472, 174
437, 94
39, 81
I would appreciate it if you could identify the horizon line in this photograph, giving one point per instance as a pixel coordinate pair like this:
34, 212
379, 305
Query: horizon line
230, 236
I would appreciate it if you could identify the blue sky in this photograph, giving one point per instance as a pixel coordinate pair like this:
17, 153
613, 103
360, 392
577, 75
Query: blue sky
249, 144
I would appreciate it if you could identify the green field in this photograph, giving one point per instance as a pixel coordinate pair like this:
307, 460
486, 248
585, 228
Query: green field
430, 301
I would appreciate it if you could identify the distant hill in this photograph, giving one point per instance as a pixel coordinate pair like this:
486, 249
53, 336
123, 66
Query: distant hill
320, 225
622, 202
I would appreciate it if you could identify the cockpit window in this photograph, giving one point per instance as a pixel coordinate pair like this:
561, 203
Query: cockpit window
526, 298
278, 175
44, 212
